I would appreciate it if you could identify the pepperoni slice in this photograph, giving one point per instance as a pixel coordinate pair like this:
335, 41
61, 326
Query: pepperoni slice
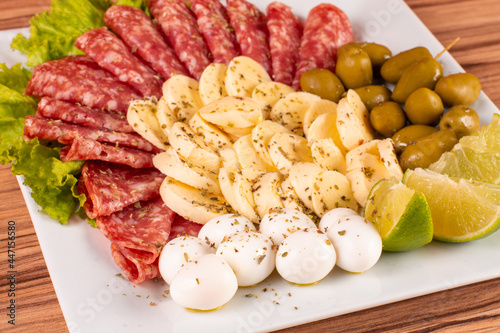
56, 130
285, 33
327, 28
83, 115
81, 80
111, 53
143, 38
251, 31
213, 22
180, 26
110, 187
82, 149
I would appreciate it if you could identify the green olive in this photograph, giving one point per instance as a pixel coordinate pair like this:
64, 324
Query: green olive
354, 67
458, 89
378, 53
461, 119
394, 67
409, 135
323, 83
387, 118
424, 107
427, 150
424, 73
373, 95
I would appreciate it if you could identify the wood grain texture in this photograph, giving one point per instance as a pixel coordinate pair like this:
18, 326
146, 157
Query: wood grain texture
473, 308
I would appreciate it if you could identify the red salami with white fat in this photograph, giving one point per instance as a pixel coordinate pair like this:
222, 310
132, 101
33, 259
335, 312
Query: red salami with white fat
138, 233
57, 130
183, 227
83, 115
142, 36
79, 79
111, 187
180, 26
285, 33
82, 149
251, 31
135, 270
213, 22
327, 28
111, 53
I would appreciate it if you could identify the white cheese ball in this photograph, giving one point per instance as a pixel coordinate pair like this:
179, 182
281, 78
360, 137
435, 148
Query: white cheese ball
357, 242
305, 257
250, 254
179, 251
214, 231
206, 283
282, 222
333, 216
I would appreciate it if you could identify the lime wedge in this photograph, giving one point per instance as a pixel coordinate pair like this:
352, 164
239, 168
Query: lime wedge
462, 210
475, 157
401, 215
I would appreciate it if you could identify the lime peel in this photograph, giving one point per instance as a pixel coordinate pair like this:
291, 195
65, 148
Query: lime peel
401, 215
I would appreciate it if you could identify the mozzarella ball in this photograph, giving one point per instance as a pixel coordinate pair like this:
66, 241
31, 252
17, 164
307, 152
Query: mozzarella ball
305, 257
214, 231
250, 254
179, 251
333, 215
206, 283
357, 242
282, 222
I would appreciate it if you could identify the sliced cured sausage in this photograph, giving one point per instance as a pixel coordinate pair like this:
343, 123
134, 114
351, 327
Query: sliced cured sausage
138, 233
80, 80
111, 53
83, 115
213, 22
111, 187
180, 26
142, 36
250, 27
327, 28
183, 227
285, 33
134, 270
88, 149
57, 130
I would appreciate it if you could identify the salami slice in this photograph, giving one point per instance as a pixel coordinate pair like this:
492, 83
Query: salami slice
111, 187
285, 33
135, 270
327, 28
57, 130
111, 53
183, 227
80, 80
87, 149
83, 115
213, 22
141, 35
180, 26
138, 232
251, 31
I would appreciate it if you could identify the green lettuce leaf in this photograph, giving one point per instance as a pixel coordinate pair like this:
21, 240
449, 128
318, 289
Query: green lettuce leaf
53, 182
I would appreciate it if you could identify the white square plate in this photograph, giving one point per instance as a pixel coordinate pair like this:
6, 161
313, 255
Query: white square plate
94, 299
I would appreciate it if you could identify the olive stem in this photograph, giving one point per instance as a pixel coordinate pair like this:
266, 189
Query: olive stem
447, 48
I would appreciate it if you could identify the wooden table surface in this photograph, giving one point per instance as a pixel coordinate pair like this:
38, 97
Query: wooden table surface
466, 309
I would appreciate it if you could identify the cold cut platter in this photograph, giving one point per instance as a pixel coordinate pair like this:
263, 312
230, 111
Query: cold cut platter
95, 296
